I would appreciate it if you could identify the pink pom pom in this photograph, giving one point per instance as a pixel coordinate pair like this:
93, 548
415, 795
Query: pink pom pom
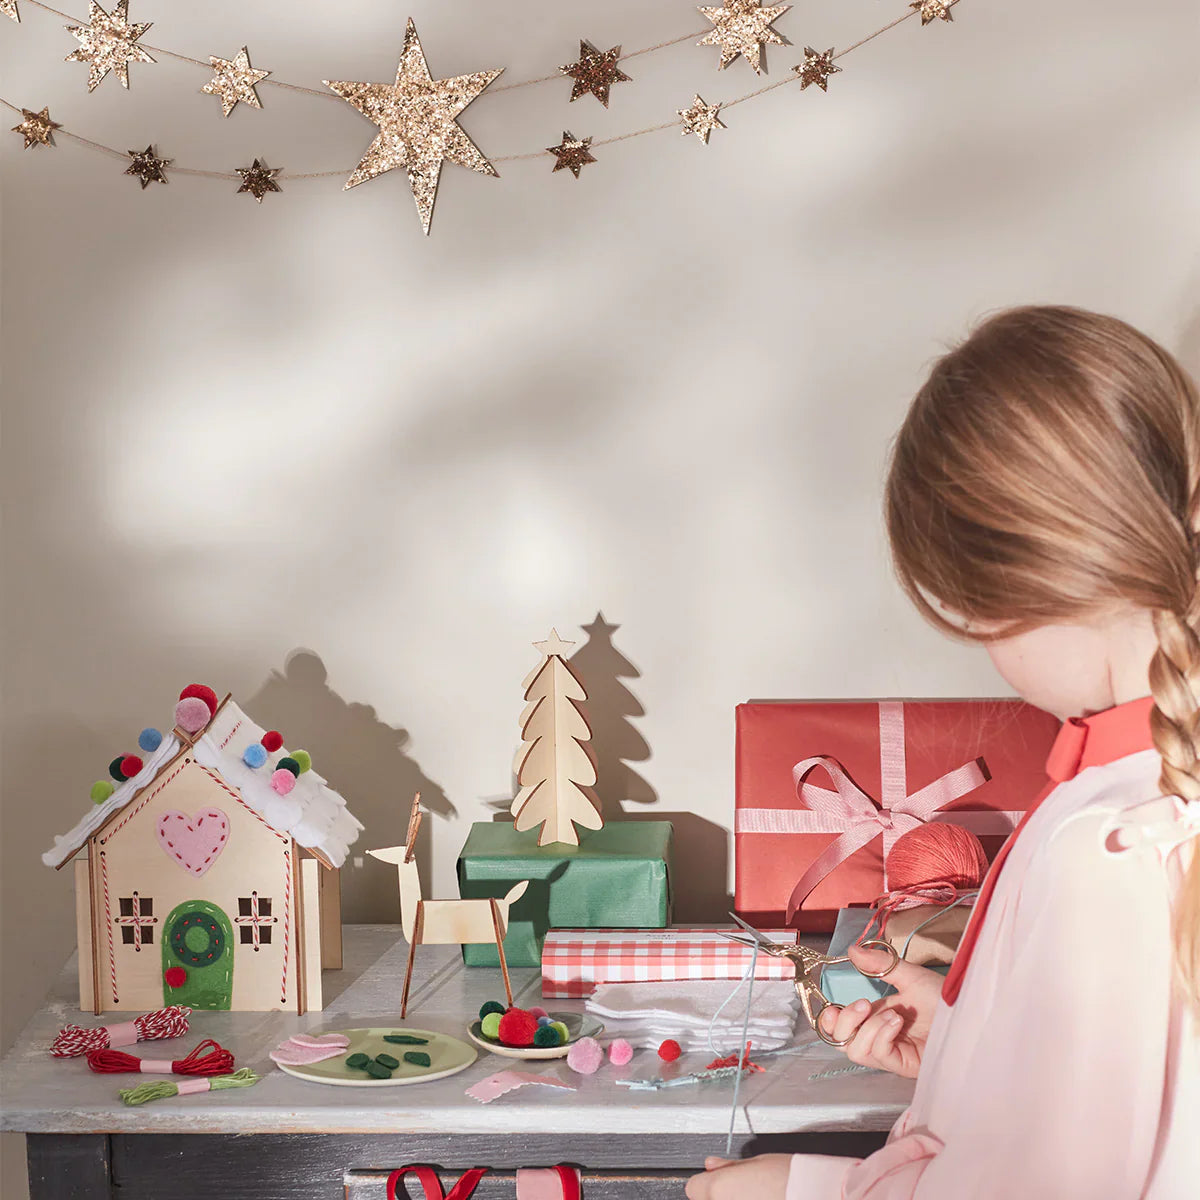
535, 1012
191, 714
283, 781
620, 1052
585, 1056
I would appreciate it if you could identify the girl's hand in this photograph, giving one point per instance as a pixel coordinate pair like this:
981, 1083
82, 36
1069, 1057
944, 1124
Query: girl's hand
762, 1178
891, 1033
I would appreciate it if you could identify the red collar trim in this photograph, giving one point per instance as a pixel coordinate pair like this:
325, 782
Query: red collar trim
1102, 738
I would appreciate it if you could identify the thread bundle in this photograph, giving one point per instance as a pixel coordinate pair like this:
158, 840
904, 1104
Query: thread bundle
163, 1088
74, 1040
208, 1058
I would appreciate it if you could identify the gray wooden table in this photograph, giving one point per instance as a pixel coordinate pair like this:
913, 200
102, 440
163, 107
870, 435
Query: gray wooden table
285, 1139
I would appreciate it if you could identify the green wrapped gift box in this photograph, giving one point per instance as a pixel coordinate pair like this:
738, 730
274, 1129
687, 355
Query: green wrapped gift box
618, 877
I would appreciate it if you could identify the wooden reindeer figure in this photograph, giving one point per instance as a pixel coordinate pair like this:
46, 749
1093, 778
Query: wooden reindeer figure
444, 922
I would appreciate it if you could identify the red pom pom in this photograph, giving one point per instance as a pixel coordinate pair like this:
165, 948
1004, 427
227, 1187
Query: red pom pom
175, 977
669, 1051
272, 740
130, 765
517, 1028
201, 692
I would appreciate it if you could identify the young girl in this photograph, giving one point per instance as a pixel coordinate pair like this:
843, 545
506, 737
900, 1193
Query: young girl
1044, 499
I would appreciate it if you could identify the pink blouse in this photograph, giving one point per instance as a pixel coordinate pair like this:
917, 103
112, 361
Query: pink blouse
1069, 1065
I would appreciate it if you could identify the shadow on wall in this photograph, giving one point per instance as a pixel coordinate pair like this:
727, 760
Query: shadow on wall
364, 759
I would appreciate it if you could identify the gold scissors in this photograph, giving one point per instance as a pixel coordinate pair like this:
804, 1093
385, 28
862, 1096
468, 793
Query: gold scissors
809, 961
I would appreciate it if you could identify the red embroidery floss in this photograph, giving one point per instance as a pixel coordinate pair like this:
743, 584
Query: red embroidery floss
208, 1058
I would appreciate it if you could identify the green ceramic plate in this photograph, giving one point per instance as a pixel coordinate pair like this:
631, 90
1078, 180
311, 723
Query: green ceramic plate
447, 1056
579, 1025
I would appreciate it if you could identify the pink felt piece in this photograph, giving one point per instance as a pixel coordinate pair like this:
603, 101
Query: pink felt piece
283, 781
191, 714
620, 1053
289, 1054
320, 1039
487, 1090
187, 1086
194, 842
585, 1056
125, 1034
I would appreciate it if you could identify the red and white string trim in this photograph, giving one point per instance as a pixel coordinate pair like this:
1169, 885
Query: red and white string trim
74, 1040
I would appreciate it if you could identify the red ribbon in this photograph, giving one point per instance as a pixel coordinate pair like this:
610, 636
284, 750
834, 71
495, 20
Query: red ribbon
432, 1185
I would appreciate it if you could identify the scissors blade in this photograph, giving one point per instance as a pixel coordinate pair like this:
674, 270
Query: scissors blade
764, 942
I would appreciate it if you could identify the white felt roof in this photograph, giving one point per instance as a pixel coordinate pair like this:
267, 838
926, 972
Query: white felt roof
312, 812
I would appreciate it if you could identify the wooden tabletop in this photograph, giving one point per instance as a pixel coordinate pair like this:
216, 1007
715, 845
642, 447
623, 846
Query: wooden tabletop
41, 1094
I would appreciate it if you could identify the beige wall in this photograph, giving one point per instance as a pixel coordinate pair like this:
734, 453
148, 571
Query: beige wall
350, 474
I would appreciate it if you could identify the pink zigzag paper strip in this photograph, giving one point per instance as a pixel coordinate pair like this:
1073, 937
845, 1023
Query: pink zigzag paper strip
487, 1090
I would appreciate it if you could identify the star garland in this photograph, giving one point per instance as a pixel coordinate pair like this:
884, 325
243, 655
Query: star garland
816, 68
742, 28
147, 166
932, 10
259, 179
9, 9
571, 153
37, 128
234, 81
108, 43
595, 72
700, 119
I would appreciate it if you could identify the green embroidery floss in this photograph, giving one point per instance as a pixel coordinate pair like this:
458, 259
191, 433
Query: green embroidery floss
145, 1092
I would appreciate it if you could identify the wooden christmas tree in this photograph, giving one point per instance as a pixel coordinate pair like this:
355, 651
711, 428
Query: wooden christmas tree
554, 768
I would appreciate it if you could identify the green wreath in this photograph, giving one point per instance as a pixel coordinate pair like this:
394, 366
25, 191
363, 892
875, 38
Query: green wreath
215, 939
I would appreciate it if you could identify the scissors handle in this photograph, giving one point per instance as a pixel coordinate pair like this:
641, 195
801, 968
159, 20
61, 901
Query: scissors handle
872, 944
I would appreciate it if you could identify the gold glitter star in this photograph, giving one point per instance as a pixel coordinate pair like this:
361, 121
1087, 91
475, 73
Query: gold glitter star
701, 119
742, 27
234, 80
816, 68
9, 9
417, 129
259, 179
572, 153
595, 72
147, 166
109, 43
931, 10
37, 128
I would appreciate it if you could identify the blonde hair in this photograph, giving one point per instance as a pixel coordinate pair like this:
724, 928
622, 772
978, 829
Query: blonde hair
1048, 471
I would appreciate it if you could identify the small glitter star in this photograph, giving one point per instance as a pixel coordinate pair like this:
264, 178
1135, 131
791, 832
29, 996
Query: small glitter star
816, 68
37, 128
595, 72
9, 9
259, 179
743, 27
234, 80
147, 166
701, 119
931, 10
572, 153
417, 126
108, 43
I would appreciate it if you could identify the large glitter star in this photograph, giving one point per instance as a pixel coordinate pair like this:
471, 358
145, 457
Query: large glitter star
931, 10
572, 153
9, 9
234, 80
701, 119
37, 128
816, 68
108, 43
259, 179
595, 72
147, 166
742, 27
417, 129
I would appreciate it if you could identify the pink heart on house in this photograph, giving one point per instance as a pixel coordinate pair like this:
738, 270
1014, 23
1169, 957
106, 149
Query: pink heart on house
194, 842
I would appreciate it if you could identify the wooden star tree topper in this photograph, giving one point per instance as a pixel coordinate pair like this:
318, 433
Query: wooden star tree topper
743, 27
234, 81
108, 43
595, 72
417, 126
37, 128
571, 153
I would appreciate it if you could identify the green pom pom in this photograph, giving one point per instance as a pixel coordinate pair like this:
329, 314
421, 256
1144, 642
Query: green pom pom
492, 1006
114, 768
386, 1060
418, 1058
547, 1035
287, 763
357, 1061
101, 790
378, 1070
563, 1032
303, 760
490, 1026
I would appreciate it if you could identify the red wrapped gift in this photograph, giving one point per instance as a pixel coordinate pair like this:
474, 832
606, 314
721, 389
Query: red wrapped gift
805, 845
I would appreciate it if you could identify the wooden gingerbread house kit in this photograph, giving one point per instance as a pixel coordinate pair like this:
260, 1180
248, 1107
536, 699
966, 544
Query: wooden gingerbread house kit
210, 877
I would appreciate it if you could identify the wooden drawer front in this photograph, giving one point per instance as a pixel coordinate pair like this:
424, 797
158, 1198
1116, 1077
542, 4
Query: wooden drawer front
501, 1185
